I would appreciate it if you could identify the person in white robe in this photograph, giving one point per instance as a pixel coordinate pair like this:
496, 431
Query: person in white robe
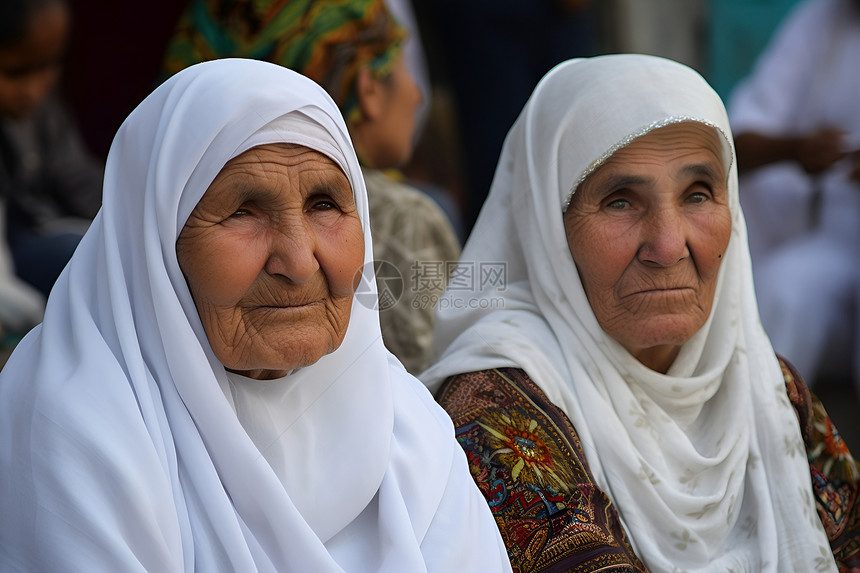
142, 430
797, 129
628, 302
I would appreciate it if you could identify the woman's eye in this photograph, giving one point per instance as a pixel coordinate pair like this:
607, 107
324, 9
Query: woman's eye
325, 204
618, 204
698, 197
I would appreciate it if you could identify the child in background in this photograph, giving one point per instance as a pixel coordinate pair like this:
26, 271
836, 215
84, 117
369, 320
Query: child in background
50, 186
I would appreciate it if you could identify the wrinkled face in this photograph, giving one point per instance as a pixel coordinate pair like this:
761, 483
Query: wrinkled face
647, 231
270, 254
30, 68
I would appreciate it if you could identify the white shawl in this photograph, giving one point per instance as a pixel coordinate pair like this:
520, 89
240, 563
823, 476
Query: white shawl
705, 464
119, 451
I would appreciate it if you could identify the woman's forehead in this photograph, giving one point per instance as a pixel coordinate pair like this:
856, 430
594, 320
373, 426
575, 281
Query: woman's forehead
692, 134
275, 151
306, 128
675, 155
276, 172
680, 138
282, 160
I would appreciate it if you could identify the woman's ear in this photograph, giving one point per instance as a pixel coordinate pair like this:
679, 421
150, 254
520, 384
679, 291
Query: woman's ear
370, 93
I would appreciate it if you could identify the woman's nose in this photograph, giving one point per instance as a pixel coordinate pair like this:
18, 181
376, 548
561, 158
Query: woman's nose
293, 253
664, 238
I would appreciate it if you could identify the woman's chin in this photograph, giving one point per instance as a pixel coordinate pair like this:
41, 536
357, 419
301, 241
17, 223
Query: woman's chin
276, 363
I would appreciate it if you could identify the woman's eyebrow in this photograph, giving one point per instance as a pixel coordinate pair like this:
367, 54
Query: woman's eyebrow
701, 170
330, 188
247, 189
616, 181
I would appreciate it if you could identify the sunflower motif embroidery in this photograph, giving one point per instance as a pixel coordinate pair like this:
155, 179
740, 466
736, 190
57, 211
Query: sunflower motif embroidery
520, 444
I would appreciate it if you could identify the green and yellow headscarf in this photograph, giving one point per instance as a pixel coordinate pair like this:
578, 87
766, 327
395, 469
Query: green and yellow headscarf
326, 40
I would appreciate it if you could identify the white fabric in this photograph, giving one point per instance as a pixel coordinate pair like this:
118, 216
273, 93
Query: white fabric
705, 464
807, 275
119, 449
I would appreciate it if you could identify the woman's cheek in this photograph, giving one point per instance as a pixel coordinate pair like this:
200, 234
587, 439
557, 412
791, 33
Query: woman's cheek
343, 258
715, 234
232, 266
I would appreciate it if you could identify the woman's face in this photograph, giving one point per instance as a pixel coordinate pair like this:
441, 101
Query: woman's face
271, 254
647, 231
388, 137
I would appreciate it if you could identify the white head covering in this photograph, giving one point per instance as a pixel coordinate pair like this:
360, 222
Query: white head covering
121, 453
705, 464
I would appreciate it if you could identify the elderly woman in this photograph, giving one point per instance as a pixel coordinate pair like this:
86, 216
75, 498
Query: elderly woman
620, 405
353, 49
204, 393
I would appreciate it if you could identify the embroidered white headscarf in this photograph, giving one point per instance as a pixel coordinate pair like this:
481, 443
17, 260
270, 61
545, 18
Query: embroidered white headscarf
126, 448
705, 464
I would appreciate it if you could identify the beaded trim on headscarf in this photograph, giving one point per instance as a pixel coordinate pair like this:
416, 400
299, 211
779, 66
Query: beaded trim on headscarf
325, 40
592, 167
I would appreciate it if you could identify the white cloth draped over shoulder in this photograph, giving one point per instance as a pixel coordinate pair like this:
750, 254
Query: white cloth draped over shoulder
705, 464
125, 445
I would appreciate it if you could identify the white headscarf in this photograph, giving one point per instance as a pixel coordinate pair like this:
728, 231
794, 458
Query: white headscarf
119, 451
705, 464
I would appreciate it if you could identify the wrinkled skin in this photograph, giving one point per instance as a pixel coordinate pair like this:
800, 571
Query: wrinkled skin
647, 231
271, 254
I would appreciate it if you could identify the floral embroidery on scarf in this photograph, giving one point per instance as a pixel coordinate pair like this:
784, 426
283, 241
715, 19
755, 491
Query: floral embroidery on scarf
528, 462
521, 444
835, 473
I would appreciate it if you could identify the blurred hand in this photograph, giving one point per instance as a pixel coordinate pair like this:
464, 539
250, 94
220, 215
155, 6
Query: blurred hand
819, 151
855, 166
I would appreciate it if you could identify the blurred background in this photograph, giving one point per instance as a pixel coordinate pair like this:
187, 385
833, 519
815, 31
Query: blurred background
476, 62
116, 53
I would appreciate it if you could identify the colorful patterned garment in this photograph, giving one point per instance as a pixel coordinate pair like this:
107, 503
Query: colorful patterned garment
526, 458
835, 473
325, 40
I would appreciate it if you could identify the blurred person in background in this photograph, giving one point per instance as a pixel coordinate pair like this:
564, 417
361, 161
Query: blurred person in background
796, 121
50, 186
50, 182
